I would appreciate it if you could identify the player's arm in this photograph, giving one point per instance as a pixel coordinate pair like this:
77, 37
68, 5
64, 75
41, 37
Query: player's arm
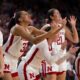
36, 31
21, 32
72, 36
70, 54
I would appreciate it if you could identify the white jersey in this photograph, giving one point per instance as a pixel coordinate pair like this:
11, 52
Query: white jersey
33, 61
59, 39
1, 38
56, 46
57, 53
37, 54
15, 46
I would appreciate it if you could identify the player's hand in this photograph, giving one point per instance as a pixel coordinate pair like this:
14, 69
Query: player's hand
72, 21
55, 25
1, 73
73, 50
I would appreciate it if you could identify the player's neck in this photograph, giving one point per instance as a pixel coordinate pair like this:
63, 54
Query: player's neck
55, 21
24, 24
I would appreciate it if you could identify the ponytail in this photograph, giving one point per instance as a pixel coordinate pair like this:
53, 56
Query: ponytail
14, 20
11, 23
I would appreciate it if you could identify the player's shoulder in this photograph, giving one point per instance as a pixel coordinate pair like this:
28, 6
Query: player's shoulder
16, 27
46, 27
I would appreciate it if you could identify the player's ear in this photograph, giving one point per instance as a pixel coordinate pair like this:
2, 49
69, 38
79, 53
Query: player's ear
51, 17
20, 20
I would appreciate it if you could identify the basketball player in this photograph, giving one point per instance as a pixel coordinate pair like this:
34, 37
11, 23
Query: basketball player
1, 56
17, 42
77, 66
59, 71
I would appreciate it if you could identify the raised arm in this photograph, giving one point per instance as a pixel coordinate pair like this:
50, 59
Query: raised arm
36, 31
26, 34
72, 36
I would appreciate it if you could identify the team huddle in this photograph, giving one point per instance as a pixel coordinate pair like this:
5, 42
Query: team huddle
47, 58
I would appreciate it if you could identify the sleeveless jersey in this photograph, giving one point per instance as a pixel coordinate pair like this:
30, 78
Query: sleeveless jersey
59, 38
56, 46
15, 46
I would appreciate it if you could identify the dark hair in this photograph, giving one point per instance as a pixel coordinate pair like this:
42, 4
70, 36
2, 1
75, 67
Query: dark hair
14, 19
48, 29
17, 16
11, 23
50, 13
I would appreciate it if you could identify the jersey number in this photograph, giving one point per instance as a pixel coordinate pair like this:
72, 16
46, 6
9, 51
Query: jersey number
25, 45
59, 40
